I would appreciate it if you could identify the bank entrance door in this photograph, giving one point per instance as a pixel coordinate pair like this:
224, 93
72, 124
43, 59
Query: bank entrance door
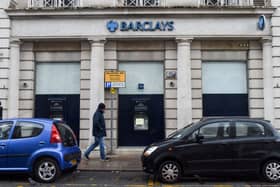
58, 93
141, 108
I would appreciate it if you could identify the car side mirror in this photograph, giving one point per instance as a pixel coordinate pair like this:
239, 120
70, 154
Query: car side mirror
199, 138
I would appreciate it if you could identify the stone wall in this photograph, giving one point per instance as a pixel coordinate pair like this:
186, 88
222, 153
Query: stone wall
5, 29
276, 60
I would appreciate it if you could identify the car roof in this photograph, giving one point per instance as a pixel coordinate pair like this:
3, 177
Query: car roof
42, 120
234, 118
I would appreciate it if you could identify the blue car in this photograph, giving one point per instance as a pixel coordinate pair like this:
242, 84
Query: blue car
41, 147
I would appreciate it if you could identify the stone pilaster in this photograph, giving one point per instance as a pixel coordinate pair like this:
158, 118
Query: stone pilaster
184, 90
268, 80
13, 93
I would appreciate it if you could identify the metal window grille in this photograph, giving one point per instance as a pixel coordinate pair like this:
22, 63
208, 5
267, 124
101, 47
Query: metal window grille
145, 3
68, 3
53, 3
151, 3
49, 3
239, 3
131, 3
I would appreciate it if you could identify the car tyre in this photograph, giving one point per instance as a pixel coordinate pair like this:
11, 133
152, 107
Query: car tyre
46, 170
271, 171
169, 172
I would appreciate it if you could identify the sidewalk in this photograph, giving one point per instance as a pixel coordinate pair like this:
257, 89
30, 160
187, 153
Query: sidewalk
117, 162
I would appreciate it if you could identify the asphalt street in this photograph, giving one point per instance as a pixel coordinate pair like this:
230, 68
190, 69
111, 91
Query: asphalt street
129, 179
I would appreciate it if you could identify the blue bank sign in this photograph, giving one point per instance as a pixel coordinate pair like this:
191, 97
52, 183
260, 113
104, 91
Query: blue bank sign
143, 26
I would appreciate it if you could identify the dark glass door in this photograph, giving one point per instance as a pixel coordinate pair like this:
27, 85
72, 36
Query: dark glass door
141, 120
63, 107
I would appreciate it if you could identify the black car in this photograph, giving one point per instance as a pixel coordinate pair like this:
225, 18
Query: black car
216, 146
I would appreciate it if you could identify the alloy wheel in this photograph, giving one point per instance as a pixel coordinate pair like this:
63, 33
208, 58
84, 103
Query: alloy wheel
272, 171
46, 170
170, 172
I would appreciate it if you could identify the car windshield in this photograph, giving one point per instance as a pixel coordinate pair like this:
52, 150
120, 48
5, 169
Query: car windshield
181, 132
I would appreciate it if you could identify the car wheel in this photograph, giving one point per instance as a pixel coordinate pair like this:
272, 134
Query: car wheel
169, 172
46, 170
271, 171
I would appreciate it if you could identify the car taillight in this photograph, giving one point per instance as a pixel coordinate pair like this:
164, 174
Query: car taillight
55, 137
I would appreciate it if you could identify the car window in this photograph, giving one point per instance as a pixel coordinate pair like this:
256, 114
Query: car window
5, 129
66, 134
193, 135
180, 132
215, 130
249, 129
27, 129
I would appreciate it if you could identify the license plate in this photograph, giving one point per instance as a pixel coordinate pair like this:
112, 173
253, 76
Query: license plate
73, 162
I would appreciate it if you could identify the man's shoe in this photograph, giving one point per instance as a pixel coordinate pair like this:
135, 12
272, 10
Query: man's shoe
105, 159
86, 157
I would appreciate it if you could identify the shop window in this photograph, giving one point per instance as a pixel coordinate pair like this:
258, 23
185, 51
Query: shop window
57, 78
224, 86
142, 78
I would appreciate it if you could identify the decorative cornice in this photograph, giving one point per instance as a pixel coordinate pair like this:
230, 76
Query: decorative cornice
124, 12
182, 40
15, 42
97, 40
267, 40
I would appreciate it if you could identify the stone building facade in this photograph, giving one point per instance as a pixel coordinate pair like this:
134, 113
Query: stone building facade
184, 60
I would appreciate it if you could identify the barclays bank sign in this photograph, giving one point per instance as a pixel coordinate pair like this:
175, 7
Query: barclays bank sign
143, 26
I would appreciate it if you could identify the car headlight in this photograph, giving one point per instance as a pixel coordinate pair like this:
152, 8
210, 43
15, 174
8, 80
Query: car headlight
150, 150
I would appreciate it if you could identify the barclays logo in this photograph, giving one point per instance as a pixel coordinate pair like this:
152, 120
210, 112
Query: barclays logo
112, 26
143, 26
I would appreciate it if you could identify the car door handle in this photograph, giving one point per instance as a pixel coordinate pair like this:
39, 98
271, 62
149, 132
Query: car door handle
224, 144
3, 146
42, 142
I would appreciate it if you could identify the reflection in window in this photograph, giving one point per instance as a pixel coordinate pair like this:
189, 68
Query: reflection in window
27, 129
249, 129
5, 129
215, 130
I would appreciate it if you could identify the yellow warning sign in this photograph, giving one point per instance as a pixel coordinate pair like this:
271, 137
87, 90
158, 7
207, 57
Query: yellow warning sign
115, 76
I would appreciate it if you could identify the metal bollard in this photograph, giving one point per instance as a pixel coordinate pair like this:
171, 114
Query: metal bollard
1, 111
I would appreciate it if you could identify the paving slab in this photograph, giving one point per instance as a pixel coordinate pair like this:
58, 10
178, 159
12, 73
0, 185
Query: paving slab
117, 162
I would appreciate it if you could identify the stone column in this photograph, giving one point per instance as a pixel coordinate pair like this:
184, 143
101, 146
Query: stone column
13, 93
184, 87
96, 76
268, 80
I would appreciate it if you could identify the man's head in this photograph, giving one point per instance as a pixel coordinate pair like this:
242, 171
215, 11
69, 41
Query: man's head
101, 106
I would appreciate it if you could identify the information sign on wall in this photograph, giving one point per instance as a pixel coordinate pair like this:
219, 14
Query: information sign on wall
115, 79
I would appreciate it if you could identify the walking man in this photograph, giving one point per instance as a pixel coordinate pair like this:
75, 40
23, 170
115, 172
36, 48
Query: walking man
99, 132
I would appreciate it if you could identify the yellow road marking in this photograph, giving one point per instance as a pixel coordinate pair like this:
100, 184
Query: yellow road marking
151, 181
223, 185
157, 183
